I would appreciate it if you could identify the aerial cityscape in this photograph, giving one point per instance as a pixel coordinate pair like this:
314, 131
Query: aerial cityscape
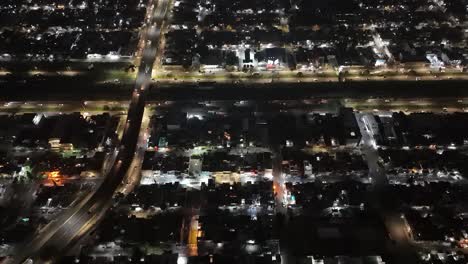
234, 131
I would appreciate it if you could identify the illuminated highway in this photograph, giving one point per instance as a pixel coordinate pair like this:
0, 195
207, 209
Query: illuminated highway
376, 105
60, 235
419, 71
133, 175
416, 72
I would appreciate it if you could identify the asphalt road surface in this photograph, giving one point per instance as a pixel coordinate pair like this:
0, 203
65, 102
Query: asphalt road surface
59, 235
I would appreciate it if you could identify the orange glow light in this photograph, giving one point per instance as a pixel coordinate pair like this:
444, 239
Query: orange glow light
53, 175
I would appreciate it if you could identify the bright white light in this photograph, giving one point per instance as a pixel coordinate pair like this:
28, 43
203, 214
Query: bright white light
112, 56
190, 116
163, 150
182, 259
373, 144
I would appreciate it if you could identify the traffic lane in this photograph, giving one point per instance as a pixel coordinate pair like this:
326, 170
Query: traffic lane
75, 230
96, 204
369, 149
59, 243
161, 11
153, 32
69, 228
46, 233
134, 174
397, 228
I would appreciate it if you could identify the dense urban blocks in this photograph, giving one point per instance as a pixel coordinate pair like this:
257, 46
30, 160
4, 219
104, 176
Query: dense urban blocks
226, 177
349, 36
247, 131
65, 30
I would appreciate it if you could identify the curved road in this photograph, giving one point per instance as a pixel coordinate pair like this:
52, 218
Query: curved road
57, 237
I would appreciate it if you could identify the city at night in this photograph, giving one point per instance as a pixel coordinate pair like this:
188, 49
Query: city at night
234, 131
